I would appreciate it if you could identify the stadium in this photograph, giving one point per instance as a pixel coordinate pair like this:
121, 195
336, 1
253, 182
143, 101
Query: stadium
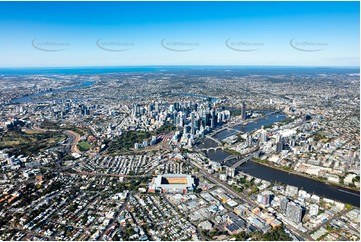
172, 183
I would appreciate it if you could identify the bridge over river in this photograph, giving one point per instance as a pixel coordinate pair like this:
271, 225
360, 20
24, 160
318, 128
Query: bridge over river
244, 160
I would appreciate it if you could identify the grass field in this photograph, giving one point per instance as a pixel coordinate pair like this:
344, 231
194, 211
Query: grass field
27, 144
84, 146
126, 141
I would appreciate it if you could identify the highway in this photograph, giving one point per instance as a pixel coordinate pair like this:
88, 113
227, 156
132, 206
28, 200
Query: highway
73, 141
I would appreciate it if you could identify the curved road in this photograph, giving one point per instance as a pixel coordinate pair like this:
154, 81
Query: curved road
73, 140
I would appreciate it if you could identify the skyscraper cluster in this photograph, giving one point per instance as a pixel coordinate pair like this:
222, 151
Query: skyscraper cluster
196, 118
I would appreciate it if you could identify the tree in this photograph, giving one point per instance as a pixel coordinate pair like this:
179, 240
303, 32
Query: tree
198, 190
276, 234
241, 236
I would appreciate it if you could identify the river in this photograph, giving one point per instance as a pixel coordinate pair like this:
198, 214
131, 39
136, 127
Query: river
253, 125
29, 98
309, 185
219, 154
272, 174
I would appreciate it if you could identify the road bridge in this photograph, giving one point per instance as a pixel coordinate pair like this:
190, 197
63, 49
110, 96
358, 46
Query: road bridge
214, 139
231, 157
244, 160
212, 148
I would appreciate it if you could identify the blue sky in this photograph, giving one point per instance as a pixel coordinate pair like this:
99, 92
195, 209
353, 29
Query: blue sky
43, 34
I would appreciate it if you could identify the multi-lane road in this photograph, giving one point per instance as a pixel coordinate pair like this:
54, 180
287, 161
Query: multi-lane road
215, 180
73, 141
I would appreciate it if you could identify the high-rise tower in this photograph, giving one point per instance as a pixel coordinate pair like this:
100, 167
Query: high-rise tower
243, 111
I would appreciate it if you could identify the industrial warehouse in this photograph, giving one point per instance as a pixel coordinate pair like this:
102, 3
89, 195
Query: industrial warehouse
172, 183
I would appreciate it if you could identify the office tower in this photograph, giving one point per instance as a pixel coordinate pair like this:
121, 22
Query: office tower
185, 131
153, 140
263, 199
134, 111
174, 117
283, 204
213, 119
212, 123
209, 102
181, 119
231, 172
294, 212
187, 111
149, 108
203, 116
198, 123
192, 124
201, 129
279, 147
137, 109
243, 111
264, 136
208, 118
190, 141
278, 138
220, 117
249, 140
293, 141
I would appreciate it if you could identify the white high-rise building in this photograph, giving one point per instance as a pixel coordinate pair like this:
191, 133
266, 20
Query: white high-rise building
313, 209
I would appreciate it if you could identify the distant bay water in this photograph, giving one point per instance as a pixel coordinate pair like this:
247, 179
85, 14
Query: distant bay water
30, 98
230, 70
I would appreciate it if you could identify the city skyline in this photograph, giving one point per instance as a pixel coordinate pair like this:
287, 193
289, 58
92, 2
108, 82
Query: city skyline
176, 154
180, 121
82, 34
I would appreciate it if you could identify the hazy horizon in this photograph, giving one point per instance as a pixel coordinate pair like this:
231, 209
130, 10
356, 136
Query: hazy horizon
180, 66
